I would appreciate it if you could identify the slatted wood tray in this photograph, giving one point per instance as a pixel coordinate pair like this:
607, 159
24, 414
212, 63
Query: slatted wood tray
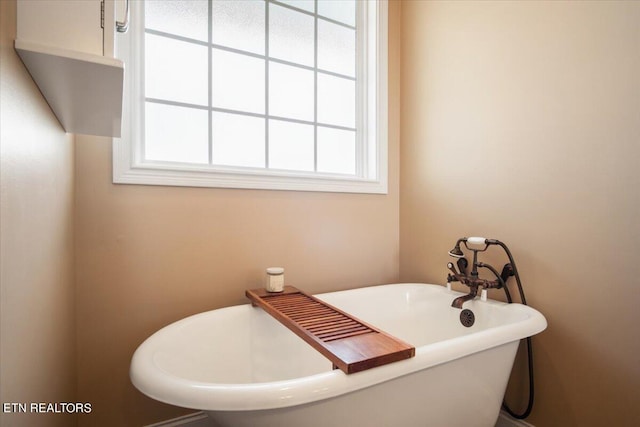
349, 343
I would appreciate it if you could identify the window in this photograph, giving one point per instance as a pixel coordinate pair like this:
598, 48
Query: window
287, 94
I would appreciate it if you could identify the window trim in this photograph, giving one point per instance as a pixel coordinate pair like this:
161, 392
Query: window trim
128, 169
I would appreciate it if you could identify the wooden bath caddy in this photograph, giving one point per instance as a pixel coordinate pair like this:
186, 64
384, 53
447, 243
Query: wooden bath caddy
349, 343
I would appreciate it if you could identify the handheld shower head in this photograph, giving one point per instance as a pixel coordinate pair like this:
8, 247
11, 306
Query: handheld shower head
476, 243
456, 252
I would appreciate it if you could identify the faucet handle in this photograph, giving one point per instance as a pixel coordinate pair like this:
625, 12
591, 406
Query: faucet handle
456, 274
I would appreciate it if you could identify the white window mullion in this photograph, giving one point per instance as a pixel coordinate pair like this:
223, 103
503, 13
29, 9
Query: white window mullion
361, 91
210, 82
138, 105
266, 84
376, 89
315, 86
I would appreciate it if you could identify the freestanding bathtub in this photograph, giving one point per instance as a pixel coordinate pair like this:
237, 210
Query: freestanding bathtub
247, 370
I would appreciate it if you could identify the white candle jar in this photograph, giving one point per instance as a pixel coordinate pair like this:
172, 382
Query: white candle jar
275, 279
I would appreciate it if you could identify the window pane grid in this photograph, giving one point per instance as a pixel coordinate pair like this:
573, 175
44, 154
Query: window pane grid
314, 14
347, 125
247, 113
247, 53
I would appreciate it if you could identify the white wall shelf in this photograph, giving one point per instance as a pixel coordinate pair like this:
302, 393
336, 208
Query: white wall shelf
84, 90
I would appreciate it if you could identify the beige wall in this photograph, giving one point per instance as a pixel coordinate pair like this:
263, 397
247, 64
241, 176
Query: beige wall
521, 121
150, 255
37, 338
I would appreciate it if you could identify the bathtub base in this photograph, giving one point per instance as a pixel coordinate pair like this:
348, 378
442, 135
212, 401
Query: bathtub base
464, 392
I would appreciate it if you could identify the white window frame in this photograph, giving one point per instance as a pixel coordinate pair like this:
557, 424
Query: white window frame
129, 168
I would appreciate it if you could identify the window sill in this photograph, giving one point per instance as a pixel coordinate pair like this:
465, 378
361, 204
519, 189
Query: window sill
179, 175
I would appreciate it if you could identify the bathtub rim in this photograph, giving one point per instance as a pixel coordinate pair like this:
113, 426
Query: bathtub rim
171, 389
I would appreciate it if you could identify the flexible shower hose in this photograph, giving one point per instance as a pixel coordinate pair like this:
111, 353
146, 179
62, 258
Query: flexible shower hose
506, 407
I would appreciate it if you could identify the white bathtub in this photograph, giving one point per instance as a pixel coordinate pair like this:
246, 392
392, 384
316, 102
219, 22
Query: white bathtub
246, 369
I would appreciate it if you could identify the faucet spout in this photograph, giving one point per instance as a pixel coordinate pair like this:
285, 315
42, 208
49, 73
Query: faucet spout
473, 292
